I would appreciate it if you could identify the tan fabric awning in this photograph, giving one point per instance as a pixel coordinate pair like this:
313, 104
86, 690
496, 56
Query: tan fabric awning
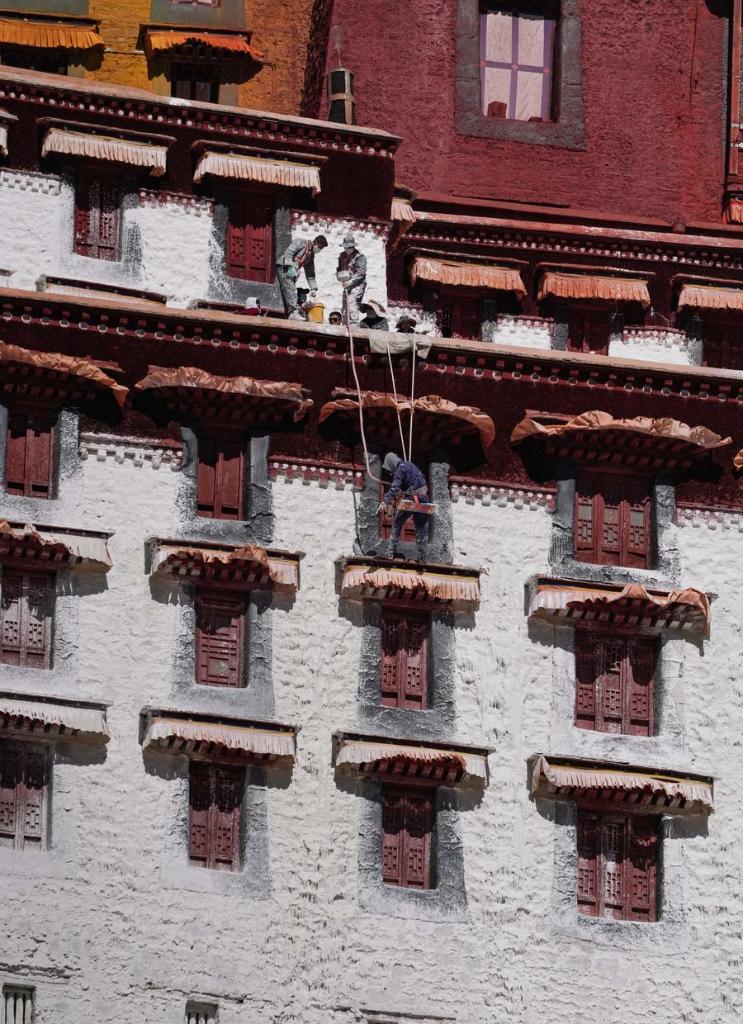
466, 275
597, 604
402, 210
287, 173
49, 546
51, 717
435, 418
406, 761
48, 35
597, 436
664, 792
227, 397
369, 581
224, 43
594, 286
184, 734
18, 363
106, 147
248, 565
702, 296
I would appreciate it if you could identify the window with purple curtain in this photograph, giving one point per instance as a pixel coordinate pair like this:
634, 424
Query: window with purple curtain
516, 64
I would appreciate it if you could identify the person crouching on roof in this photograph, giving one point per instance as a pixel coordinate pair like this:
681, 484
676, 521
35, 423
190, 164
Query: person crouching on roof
407, 482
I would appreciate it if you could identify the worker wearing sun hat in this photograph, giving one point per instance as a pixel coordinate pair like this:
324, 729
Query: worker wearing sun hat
352, 275
375, 319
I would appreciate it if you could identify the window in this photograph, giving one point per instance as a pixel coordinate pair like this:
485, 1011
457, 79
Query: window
23, 789
589, 328
215, 799
407, 824
617, 865
612, 520
18, 1004
34, 59
516, 62
614, 683
220, 630
220, 476
723, 345
404, 675
29, 453
195, 82
201, 1013
98, 198
26, 610
250, 238
460, 316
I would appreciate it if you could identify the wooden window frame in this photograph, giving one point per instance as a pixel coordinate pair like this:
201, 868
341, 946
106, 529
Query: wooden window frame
12, 996
456, 307
589, 327
17, 761
31, 450
617, 701
241, 232
620, 888
212, 482
209, 777
412, 627
36, 58
92, 186
591, 488
400, 806
188, 78
549, 12
226, 600
23, 653
722, 343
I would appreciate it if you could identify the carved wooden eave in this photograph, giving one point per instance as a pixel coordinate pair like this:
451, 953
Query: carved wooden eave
614, 606
263, 337
42, 717
242, 566
217, 737
131, 106
430, 584
54, 378
410, 761
620, 785
54, 546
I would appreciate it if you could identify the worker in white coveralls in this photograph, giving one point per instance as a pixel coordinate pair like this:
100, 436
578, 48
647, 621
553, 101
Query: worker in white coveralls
298, 256
352, 275
407, 482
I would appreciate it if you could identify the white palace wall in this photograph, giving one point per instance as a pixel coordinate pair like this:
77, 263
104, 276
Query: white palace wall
110, 924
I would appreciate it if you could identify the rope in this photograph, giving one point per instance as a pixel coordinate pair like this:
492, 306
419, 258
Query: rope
358, 392
412, 395
397, 408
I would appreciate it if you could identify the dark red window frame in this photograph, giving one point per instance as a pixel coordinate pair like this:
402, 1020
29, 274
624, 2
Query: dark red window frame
220, 474
26, 614
250, 242
614, 684
220, 637
24, 782
30, 451
589, 327
215, 797
98, 198
197, 81
723, 344
613, 519
460, 313
404, 661
407, 836
618, 858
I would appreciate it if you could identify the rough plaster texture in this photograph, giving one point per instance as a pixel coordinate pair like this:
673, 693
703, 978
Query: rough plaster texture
500, 939
657, 345
522, 331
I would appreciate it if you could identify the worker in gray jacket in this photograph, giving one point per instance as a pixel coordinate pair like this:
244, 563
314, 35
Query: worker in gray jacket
298, 256
352, 275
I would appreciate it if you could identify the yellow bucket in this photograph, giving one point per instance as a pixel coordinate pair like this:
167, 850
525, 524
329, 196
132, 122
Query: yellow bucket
316, 312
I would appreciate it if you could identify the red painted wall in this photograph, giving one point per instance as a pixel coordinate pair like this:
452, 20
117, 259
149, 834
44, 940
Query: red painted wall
654, 74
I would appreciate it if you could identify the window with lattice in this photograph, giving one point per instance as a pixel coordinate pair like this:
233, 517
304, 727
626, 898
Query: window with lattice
613, 519
29, 451
26, 613
250, 237
220, 474
617, 865
517, 43
614, 689
98, 198
220, 637
405, 649
197, 81
18, 1004
723, 344
589, 327
198, 1012
24, 780
407, 829
459, 313
215, 803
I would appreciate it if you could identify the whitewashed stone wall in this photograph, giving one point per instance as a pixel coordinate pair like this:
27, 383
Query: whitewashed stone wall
657, 345
523, 332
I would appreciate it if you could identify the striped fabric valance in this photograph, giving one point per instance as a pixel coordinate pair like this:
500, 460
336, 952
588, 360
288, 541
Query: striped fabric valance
594, 286
69, 142
286, 173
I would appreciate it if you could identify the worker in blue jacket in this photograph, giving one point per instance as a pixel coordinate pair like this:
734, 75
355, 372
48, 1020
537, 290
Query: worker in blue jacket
407, 482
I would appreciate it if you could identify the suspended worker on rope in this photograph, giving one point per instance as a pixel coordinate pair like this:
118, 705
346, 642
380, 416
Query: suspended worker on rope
410, 489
